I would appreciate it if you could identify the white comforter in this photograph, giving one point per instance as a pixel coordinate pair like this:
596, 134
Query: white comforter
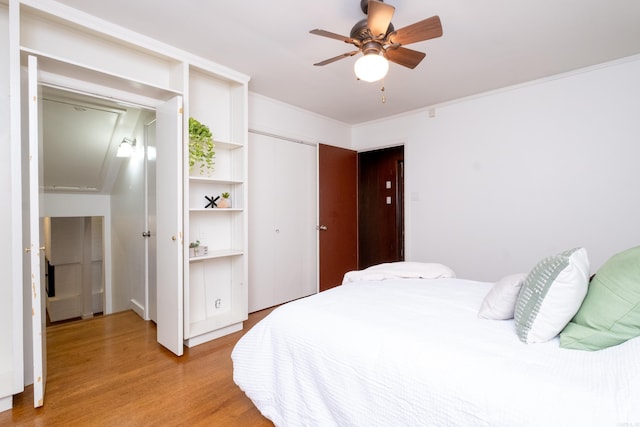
414, 353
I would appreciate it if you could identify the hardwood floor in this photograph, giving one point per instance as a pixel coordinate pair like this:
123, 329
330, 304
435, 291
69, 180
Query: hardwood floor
110, 371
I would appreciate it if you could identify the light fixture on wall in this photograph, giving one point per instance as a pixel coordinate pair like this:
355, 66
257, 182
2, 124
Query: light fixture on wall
126, 147
372, 66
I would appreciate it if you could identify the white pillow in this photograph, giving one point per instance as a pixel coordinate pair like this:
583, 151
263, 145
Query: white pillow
500, 302
400, 270
551, 295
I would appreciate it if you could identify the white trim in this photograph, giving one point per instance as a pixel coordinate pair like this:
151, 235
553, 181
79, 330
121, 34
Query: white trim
132, 38
284, 138
16, 195
6, 403
208, 336
138, 309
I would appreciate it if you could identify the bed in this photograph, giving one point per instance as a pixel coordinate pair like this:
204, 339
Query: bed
402, 350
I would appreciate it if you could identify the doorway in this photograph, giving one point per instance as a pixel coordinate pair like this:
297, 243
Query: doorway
380, 206
84, 177
168, 150
74, 281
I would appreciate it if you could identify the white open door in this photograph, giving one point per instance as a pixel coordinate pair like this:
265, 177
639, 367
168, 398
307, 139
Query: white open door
169, 235
34, 248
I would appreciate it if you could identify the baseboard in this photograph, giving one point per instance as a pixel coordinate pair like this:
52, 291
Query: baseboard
6, 403
209, 336
138, 308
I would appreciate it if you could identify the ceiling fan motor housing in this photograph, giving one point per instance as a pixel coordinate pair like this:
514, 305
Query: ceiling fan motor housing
371, 47
360, 31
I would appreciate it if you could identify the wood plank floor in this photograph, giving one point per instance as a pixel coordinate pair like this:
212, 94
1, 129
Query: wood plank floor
110, 371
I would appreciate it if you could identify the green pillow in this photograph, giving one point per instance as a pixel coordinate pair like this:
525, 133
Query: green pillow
610, 313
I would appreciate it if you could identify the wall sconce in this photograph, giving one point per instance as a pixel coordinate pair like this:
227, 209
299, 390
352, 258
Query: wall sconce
126, 147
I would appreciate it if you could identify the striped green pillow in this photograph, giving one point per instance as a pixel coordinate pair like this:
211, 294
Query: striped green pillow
551, 295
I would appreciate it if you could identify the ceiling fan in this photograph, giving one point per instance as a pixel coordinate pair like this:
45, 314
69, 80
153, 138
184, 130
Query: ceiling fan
378, 41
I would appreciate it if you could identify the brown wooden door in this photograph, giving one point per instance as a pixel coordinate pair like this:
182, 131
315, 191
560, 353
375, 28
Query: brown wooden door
338, 212
381, 206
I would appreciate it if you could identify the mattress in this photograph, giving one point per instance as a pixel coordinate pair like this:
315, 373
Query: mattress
413, 352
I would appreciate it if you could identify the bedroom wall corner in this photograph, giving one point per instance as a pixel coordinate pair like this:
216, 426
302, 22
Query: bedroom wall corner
495, 182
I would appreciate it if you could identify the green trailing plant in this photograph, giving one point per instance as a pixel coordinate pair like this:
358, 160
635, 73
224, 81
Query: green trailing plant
194, 244
200, 147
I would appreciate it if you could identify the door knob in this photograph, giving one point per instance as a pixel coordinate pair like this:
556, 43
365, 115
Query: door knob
146, 234
322, 228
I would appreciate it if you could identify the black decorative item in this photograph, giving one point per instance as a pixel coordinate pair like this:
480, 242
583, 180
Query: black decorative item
212, 202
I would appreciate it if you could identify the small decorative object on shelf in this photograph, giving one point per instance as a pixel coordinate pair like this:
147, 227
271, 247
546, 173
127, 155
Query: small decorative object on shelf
225, 202
200, 147
193, 248
196, 250
212, 202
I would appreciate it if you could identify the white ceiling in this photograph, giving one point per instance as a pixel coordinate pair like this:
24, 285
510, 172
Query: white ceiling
81, 135
486, 45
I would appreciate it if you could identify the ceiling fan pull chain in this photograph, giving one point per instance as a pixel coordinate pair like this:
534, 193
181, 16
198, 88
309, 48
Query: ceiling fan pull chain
384, 97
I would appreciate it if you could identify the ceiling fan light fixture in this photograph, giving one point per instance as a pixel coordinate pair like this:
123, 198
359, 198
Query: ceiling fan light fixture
371, 67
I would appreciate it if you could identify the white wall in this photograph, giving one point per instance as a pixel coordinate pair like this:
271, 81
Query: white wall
77, 205
496, 182
275, 117
11, 367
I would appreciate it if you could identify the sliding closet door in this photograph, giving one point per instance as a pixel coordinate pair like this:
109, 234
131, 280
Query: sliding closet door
282, 234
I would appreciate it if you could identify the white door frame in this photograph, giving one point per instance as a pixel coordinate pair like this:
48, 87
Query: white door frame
95, 90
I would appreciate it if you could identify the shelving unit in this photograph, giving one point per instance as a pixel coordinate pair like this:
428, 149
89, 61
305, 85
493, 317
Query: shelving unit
216, 297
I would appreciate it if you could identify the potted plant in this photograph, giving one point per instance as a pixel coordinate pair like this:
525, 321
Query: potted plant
200, 147
193, 248
224, 202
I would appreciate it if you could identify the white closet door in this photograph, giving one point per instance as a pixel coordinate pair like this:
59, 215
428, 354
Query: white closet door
262, 221
282, 219
296, 213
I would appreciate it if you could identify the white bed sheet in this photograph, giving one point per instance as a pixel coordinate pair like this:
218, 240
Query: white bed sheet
413, 352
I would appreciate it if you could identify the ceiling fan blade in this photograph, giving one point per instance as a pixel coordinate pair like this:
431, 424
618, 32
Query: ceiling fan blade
379, 17
335, 58
331, 35
426, 29
406, 57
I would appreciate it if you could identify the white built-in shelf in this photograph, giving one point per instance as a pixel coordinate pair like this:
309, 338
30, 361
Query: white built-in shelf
207, 180
217, 254
212, 210
215, 291
225, 145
